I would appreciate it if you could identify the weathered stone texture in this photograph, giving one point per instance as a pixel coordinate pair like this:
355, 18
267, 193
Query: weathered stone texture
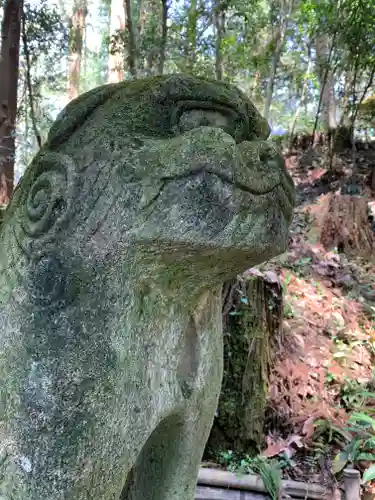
145, 198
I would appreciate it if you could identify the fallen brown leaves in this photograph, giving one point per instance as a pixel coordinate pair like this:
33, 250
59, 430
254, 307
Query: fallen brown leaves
326, 336
322, 313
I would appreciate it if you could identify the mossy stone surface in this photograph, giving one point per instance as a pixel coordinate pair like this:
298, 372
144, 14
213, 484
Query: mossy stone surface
145, 198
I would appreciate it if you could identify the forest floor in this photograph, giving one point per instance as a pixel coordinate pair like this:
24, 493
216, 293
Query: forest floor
322, 370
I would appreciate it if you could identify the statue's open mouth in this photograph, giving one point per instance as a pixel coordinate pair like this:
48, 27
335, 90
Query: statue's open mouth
223, 177
283, 190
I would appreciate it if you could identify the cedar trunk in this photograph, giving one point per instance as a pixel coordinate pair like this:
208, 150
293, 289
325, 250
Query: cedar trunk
116, 57
9, 67
132, 52
76, 34
164, 33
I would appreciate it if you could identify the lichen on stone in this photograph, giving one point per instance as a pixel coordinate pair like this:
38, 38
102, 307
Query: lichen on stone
146, 196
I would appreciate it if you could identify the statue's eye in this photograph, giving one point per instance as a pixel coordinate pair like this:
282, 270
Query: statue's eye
194, 118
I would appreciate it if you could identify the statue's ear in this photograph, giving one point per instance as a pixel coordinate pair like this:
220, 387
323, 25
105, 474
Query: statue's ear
77, 111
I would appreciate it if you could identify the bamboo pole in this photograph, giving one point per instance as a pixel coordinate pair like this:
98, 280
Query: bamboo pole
249, 482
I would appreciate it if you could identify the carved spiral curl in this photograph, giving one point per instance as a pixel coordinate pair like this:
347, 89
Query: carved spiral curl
47, 196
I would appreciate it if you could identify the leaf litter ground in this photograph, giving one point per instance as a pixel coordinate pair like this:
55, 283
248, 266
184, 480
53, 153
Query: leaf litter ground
323, 367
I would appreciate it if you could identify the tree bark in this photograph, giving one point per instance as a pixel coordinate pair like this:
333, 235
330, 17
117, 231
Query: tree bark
116, 57
219, 18
76, 35
132, 42
9, 69
154, 25
29, 84
279, 41
345, 115
302, 99
164, 33
150, 25
190, 51
324, 69
324, 49
357, 104
146, 10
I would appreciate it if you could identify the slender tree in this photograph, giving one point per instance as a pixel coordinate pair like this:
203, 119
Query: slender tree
132, 52
281, 12
219, 19
324, 47
164, 33
76, 36
190, 49
9, 69
116, 49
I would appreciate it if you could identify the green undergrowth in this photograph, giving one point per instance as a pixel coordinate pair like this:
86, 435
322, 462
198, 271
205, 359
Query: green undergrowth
270, 471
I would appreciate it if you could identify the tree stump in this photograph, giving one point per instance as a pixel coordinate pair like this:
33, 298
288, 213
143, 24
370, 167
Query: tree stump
372, 179
252, 317
342, 138
345, 226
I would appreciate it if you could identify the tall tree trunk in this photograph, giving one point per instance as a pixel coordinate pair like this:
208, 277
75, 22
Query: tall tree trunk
323, 75
190, 51
76, 34
146, 10
255, 88
132, 42
219, 18
302, 99
148, 24
9, 68
271, 83
116, 57
154, 21
357, 105
279, 41
327, 82
343, 133
30, 93
345, 114
164, 33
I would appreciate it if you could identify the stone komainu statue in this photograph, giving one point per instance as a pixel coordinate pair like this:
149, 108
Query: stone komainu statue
146, 196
